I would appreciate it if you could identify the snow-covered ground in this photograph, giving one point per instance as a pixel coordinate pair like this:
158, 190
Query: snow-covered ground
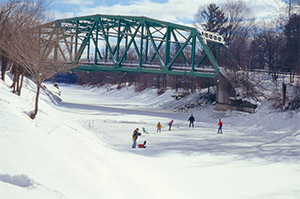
81, 148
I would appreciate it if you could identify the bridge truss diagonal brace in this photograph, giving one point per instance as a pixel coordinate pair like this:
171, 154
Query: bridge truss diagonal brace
49, 47
129, 44
178, 45
84, 43
106, 41
154, 46
61, 29
209, 54
179, 52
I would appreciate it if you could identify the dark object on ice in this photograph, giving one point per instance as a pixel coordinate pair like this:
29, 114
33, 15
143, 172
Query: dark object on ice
142, 145
56, 85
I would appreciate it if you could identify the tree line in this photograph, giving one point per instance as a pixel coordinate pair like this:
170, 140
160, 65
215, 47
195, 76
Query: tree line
271, 44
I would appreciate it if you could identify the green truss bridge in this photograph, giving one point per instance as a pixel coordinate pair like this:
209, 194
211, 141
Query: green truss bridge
132, 44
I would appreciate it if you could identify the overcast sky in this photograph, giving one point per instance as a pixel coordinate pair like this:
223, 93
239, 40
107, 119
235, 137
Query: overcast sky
177, 11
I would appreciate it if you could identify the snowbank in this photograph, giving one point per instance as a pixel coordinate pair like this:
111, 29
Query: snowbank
81, 148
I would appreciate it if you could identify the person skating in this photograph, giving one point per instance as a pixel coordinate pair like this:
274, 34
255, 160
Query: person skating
191, 119
159, 126
135, 136
170, 124
220, 127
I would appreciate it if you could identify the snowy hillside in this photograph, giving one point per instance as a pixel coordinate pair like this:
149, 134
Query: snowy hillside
81, 148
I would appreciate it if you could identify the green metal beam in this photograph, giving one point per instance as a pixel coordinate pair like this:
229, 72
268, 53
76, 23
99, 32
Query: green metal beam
167, 45
130, 42
143, 70
178, 45
158, 47
209, 54
141, 47
179, 52
193, 58
205, 55
107, 41
155, 48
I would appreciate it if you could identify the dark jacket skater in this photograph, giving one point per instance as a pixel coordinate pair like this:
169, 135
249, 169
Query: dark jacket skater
191, 119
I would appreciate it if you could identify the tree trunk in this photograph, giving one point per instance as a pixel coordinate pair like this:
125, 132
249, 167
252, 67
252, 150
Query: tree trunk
164, 78
13, 86
208, 85
158, 81
38, 87
292, 76
284, 93
21, 84
18, 80
3, 67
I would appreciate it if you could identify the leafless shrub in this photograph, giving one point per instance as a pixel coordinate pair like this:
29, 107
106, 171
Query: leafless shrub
246, 87
294, 103
139, 87
161, 91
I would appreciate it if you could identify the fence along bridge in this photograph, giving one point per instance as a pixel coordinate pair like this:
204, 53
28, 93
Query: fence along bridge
132, 44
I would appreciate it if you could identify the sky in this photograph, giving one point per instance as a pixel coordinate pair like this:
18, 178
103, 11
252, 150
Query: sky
176, 11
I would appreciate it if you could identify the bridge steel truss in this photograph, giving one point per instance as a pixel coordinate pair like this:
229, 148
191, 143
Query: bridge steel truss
129, 44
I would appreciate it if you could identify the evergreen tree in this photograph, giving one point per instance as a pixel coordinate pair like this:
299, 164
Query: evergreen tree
211, 18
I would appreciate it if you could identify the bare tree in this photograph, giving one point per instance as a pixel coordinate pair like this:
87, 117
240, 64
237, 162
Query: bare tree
240, 21
25, 46
239, 27
6, 10
293, 8
291, 50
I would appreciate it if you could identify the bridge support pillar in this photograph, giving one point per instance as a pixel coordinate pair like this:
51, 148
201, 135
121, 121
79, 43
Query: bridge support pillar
224, 90
226, 98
